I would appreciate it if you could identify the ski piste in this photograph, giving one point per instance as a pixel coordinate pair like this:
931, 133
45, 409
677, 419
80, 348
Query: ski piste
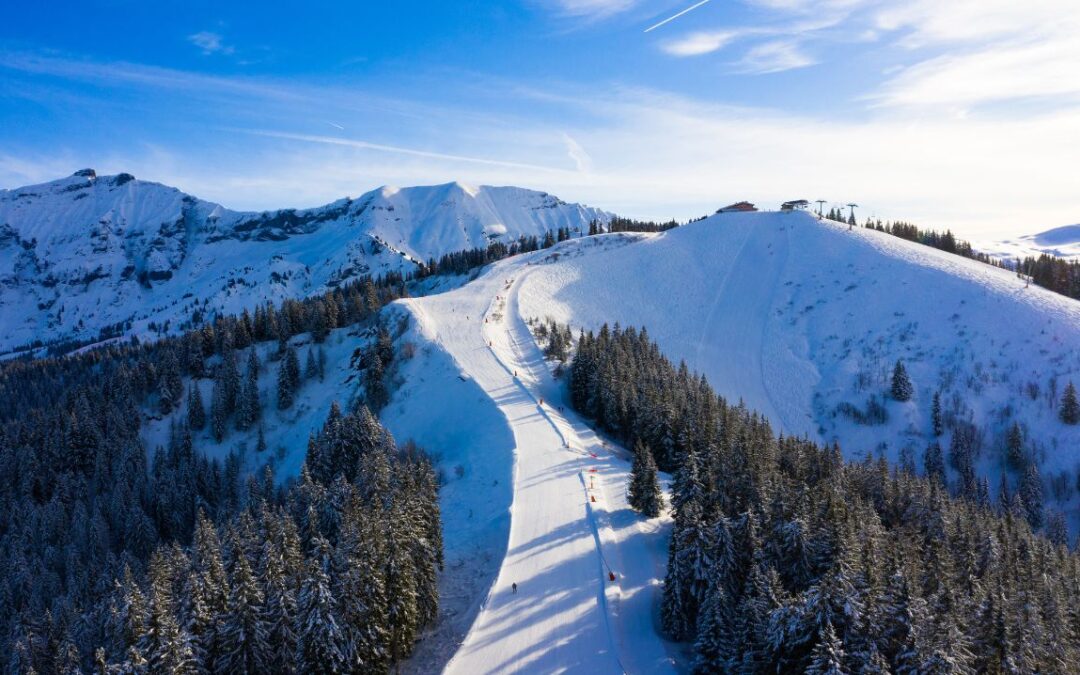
587, 567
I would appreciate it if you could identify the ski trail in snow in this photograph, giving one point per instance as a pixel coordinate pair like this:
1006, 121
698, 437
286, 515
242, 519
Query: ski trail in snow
570, 524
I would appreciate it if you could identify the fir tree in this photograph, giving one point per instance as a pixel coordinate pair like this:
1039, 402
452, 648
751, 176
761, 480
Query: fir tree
219, 412
1070, 406
645, 494
902, 389
249, 409
320, 640
244, 642
935, 415
166, 646
376, 395
288, 379
195, 410
311, 367
828, 655
1031, 496
934, 463
1014, 448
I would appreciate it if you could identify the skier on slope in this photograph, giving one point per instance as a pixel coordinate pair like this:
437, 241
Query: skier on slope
514, 587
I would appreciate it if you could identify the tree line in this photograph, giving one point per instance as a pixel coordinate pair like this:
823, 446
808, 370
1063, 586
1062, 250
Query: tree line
1051, 272
786, 558
1057, 274
620, 224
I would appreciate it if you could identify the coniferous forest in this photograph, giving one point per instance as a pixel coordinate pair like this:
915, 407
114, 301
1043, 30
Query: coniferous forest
785, 558
124, 560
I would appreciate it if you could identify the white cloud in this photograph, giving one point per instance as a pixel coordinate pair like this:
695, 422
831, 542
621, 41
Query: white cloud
650, 153
774, 57
210, 43
575, 152
988, 51
702, 42
1043, 70
591, 9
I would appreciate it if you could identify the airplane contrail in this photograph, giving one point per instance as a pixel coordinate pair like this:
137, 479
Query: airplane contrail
676, 16
336, 126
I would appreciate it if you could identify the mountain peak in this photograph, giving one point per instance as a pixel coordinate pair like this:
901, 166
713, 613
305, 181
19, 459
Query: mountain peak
82, 253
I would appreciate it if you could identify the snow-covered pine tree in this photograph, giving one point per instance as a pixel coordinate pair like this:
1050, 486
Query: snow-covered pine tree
320, 640
827, 658
935, 415
219, 414
1014, 448
165, 645
288, 380
644, 492
196, 412
249, 409
279, 606
934, 463
229, 374
311, 367
376, 395
245, 647
400, 573
1031, 496
1070, 406
902, 389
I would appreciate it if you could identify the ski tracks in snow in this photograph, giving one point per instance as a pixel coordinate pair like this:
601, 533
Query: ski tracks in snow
570, 524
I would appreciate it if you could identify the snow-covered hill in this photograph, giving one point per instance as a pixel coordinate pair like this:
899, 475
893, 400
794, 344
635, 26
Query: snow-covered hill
87, 253
801, 319
1062, 242
804, 320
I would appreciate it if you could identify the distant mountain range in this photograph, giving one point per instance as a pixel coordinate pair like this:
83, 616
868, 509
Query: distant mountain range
1063, 242
89, 253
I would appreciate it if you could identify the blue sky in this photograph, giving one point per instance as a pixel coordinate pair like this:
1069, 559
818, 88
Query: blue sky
963, 114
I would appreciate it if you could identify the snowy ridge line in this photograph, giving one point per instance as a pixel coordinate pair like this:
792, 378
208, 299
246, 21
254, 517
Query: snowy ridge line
88, 256
992, 278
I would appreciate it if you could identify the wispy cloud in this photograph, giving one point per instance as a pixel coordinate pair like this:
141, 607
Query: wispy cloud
414, 152
983, 53
210, 43
590, 9
580, 157
698, 43
774, 57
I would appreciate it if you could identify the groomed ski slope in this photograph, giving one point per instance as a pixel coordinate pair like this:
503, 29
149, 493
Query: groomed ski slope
567, 615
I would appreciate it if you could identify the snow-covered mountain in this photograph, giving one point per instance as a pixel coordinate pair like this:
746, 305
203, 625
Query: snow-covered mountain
805, 319
87, 252
1062, 242
802, 319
